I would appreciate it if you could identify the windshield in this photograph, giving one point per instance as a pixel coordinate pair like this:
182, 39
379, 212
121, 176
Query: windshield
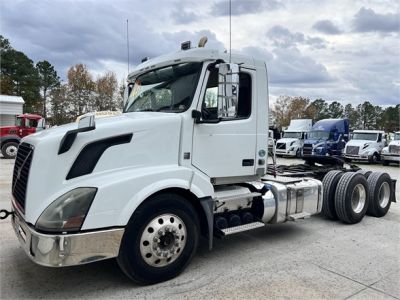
365, 136
169, 89
397, 136
318, 134
296, 135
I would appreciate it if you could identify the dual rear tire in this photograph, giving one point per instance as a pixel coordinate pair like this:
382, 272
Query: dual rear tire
349, 196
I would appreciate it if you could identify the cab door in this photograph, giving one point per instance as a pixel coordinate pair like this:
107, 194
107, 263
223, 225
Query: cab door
226, 148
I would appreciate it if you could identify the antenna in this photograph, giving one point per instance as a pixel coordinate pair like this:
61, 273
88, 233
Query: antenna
127, 42
230, 31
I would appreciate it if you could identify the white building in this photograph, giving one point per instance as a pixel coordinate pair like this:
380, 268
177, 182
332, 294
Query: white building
9, 107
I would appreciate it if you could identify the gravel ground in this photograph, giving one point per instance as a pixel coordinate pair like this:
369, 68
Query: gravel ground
309, 259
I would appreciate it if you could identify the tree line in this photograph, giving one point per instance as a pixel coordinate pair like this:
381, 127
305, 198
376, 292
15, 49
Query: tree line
44, 93
361, 116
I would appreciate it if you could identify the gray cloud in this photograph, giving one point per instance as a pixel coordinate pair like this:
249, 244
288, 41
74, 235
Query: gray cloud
366, 20
283, 38
182, 16
240, 7
80, 32
326, 26
289, 67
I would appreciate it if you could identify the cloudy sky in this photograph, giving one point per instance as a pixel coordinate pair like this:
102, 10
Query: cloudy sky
331, 49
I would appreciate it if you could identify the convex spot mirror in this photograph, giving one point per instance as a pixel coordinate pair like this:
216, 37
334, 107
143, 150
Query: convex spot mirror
228, 90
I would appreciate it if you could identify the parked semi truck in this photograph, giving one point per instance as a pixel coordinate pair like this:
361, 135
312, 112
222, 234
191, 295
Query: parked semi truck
186, 159
391, 153
10, 136
291, 143
365, 145
327, 137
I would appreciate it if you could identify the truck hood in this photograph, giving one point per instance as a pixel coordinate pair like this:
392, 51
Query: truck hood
155, 142
359, 143
287, 140
314, 141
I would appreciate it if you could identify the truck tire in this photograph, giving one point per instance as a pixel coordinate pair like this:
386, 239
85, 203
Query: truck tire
160, 239
351, 197
329, 184
366, 173
379, 191
9, 150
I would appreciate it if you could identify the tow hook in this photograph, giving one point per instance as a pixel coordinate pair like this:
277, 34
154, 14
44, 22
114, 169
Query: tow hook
5, 213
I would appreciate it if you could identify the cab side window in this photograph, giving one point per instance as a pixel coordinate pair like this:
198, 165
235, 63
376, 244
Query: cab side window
210, 102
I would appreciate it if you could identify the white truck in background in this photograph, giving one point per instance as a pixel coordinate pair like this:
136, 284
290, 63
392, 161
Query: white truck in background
293, 138
187, 158
391, 153
365, 145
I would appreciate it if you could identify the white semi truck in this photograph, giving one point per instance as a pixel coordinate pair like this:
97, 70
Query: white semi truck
391, 153
365, 145
186, 159
293, 138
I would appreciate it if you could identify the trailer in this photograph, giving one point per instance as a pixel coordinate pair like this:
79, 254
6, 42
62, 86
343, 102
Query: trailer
187, 158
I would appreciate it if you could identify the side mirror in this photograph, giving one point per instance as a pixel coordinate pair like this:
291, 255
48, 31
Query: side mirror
127, 91
87, 121
228, 90
41, 124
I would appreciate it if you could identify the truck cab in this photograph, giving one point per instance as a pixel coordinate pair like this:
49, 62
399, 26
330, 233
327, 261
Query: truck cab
365, 145
327, 137
293, 138
391, 153
10, 136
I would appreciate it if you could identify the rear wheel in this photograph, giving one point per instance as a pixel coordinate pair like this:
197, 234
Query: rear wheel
351, 197
365, 173
9, 150
379, 185
329, 184
160, 239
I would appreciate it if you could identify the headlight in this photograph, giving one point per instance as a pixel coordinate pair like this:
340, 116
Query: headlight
68, 211
291, 148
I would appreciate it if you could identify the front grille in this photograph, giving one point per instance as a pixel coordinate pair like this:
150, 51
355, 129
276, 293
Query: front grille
352, 150
281, 146
307, 149
21, 173
394, 149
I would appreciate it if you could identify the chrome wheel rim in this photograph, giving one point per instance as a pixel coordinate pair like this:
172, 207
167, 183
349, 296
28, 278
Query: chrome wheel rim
163, 240
384, 194
11, 151
358, 198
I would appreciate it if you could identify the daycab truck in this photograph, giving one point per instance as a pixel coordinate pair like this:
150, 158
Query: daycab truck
391, 153
365, 145
186, 159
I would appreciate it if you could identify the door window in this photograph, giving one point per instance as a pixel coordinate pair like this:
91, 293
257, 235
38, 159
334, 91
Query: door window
209, 109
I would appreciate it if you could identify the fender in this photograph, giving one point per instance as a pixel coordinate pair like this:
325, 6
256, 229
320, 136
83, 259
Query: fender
120, 193
9, 138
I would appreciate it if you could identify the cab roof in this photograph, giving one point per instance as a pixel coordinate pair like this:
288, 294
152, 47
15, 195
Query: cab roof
194, 55
368, 131
30, 116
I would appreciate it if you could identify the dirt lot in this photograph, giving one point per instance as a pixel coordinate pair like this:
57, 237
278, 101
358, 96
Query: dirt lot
310, 259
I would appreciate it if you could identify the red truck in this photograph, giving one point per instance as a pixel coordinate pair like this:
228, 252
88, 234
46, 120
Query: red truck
10, 136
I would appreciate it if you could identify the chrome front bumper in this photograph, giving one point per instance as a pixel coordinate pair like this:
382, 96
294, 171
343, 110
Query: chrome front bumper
391, 157
61, 250
358, 156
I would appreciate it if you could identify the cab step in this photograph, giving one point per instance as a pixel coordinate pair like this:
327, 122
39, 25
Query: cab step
303, 215
241, 228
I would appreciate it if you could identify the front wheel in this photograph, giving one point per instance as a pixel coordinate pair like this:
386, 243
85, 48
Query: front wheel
160, 239
9, 150
373, 159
